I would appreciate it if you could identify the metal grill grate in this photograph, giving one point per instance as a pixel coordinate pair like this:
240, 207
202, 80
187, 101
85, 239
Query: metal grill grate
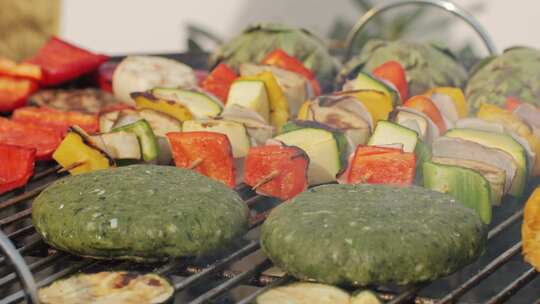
209, 281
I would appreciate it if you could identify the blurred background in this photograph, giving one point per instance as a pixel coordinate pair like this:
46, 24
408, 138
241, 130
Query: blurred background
158, 26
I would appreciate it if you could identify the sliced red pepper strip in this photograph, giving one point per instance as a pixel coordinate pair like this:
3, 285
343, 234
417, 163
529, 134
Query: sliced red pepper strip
57, 119
393, 72
16, 166
281, 59
209, 153
219, 81
14, 92
393, 168
61, 61
21, 70
29, 136
426, 106
105, 75
281, 171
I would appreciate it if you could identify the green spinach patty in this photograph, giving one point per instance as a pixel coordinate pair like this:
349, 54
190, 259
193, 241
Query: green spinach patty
372, 234
140, 212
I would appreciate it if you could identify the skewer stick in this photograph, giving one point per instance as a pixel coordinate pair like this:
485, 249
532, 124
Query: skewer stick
266, 179
70, 167
195, 163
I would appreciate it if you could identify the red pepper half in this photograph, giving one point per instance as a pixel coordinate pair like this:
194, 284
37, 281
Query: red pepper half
21, 70
391, 166
219, 81
278, 171
209, 153
16, 166
61, 61
281, 59
45, 141
57, 119
14, 92
393, 72
425, 105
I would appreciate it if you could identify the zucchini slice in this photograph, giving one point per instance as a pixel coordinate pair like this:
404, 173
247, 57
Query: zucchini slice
108, 287
305, 293
147, 139
365, 297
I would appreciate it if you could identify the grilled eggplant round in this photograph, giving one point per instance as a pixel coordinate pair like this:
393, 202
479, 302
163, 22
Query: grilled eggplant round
139, 212
108, 288
372, 234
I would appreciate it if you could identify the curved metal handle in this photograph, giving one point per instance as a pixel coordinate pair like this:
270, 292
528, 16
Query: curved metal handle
21, 269
442, 4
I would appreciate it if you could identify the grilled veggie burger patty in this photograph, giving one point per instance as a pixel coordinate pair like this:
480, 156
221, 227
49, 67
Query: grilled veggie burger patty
372, 234
140, 212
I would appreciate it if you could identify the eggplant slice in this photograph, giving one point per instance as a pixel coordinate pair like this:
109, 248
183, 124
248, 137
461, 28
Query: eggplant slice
81, 100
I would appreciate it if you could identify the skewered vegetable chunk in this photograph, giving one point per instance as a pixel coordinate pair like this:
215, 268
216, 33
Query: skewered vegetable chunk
219, 81
78, 157
209, 153
147, 139
277, 170
393, 72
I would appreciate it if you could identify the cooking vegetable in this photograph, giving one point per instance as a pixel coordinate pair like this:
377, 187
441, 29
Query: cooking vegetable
258, 40
147, 139
344, 113
326, 148
252, 95
61, 61
513, 73
454, 95
56, 119
426, 66
219, 81
104, 76
76, 155
30, 136
119, 145
503, 142
280, 58
148, 100
277, 170
393, 72
494, 175
208, 153
304, 293
465, 185
366, 296
417, 121
89, 100
364, 81
374, 165
139, 212
295, 86
387, 133
141, 73
161, 123
20, 70
108, 287
529, 114
257, 128
14, 92
426, 106
530, 232
378, 103
450, 147
199, 104
16, 166
236, 132
372, 234
279, 106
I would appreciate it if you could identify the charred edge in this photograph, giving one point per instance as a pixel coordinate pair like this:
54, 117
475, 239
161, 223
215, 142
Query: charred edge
90, 142
124, 279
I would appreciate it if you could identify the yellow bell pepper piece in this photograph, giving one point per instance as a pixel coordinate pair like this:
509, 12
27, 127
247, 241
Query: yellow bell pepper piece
174, 109
279, 105
75, 154
378, 104
456, 95
530, 230
303, 111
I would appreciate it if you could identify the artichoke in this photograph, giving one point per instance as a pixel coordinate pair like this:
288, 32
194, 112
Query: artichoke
426, 66
515, 73
260, 39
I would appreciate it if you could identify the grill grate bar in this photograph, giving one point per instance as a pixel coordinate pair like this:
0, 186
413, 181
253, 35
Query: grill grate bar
46, 172
407, 295
230, 283
23, 230
514, 287
482, 274
17, 216
505, 224
36, 266
24, 196
277, 282
24, 249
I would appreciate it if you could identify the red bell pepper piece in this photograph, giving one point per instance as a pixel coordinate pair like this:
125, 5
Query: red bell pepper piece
209, 153
29, 136
219, 81
426, 106
281, 59
278, 171
105, 75
61, 61
512, 103
57, 119
16, 166
14, 92
21, 70
376, 165
393, 72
